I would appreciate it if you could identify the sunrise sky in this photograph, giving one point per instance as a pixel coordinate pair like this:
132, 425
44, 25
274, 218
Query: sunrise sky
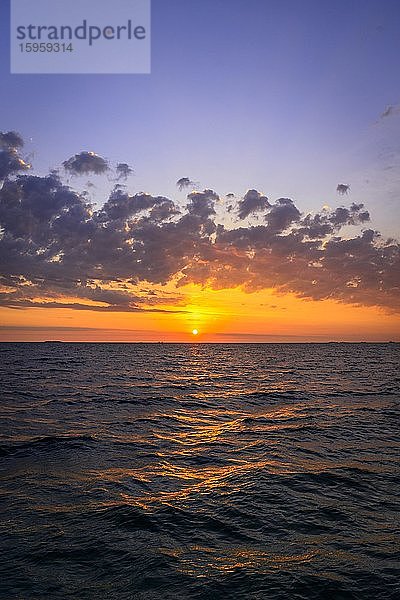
261, 108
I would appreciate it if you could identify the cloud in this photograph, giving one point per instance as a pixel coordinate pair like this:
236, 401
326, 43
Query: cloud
10, 160
11, 140
202, 203
184, 183
19, 304
11, 163
342, 189
121, 205
390, 111
85, 163
252, 202
123, 170
329, 221
57, 248
282, 214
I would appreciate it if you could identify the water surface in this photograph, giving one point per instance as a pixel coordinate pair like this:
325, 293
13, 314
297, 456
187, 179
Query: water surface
177, 471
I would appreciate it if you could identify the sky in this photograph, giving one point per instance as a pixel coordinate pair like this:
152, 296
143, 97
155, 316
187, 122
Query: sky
271, 103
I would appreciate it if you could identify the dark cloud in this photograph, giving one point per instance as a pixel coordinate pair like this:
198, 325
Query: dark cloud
57, 248
123, 170
11, 162
121, 205
184, 182
282, 214
252, 202
85, 163
202, 203
325, 223
342, 189
10, 140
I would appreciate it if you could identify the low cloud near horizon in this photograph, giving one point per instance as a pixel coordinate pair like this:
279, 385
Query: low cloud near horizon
54, 245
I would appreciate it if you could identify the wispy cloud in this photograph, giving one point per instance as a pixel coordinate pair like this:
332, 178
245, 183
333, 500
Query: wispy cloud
184, 183
123, 170
390, 111
343, 189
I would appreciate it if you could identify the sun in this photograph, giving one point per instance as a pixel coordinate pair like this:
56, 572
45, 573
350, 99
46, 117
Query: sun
195, 332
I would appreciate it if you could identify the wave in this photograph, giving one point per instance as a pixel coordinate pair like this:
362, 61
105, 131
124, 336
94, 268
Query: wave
46, 443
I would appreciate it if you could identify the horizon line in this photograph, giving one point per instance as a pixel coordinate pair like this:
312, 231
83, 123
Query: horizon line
190, 343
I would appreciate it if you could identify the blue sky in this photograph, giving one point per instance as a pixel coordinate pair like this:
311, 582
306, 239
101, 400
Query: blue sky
282, 96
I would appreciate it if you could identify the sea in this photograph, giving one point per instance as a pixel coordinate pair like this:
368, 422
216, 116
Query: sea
200, 471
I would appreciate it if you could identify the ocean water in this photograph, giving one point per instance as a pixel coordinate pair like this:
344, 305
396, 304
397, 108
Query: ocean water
173, 471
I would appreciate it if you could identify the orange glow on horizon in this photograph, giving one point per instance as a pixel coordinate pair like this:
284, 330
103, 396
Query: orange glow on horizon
227, 315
